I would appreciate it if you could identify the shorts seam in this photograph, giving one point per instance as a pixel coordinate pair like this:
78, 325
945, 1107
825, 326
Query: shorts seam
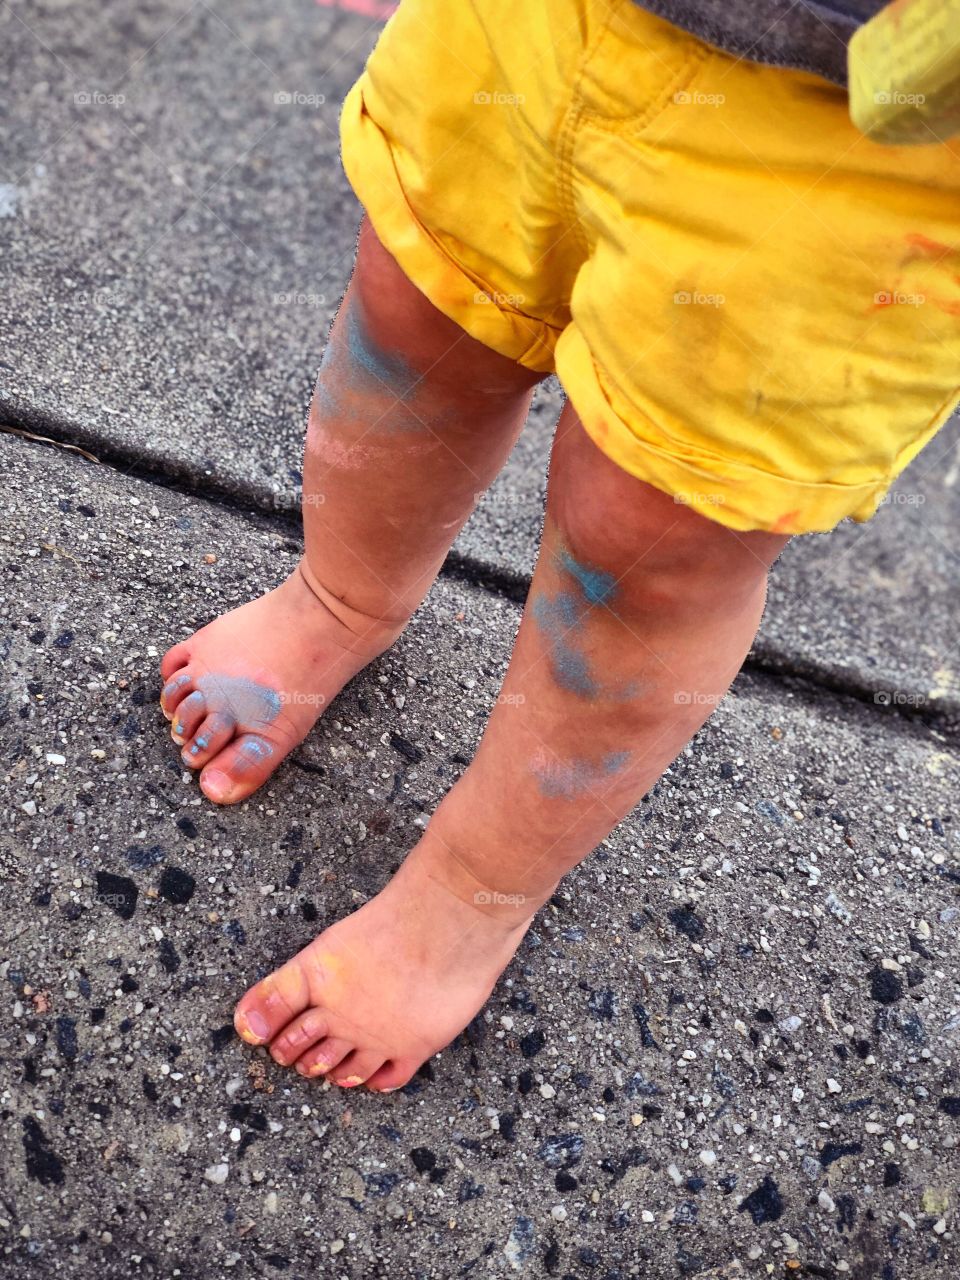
566, 140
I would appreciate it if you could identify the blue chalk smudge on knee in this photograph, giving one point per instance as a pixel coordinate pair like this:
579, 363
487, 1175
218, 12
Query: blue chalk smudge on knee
387, 367
597, 585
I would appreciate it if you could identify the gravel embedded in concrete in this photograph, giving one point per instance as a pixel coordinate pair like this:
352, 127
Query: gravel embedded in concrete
730, 1042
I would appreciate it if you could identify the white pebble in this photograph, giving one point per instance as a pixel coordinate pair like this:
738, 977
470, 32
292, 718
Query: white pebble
709, 1158
217, 1173
558, 1213
834, 1086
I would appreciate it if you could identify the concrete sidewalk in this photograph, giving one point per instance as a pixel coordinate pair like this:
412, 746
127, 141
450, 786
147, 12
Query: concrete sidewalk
731, 1045
730, 1042
178, 235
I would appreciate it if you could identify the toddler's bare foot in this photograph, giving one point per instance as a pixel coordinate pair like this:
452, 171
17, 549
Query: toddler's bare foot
246, 689
380, 991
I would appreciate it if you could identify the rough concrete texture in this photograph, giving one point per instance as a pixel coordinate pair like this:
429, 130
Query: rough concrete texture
175, 235
873, 607
729, 1047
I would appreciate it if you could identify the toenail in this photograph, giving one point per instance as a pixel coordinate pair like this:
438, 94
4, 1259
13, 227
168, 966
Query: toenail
178, 727
392, 1089
216, 781
318, 1069
348, 1082
254, 1027
194, 750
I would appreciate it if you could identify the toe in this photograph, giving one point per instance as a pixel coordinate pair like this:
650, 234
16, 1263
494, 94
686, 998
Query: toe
174, 692
211, 737
298, 1036
392, 1075
240, 768
267, 1007
322, 1057
174, 659
188, 716
356, 1068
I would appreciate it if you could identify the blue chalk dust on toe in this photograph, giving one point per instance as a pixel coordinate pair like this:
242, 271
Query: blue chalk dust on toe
255, 750
245, 700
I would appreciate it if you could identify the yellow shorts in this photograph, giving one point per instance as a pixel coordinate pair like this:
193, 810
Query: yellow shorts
750, 305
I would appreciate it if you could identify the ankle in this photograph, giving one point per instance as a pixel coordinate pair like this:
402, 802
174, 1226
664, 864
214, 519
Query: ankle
495, 881
366, 634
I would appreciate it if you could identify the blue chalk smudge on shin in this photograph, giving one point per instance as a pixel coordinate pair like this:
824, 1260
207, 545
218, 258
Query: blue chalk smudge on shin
615, 762
556, 617
387, 367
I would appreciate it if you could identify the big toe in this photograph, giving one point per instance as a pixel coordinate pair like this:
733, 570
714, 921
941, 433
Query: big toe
240, 768
272, 1004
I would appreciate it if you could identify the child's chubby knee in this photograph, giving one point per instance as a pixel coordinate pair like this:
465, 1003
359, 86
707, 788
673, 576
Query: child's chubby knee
654, 543
662, 554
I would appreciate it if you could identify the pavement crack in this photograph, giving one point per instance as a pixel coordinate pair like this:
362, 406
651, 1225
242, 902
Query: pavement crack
283, 515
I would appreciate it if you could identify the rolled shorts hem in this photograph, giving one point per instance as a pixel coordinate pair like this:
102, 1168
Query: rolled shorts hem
731, 493
464, 298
